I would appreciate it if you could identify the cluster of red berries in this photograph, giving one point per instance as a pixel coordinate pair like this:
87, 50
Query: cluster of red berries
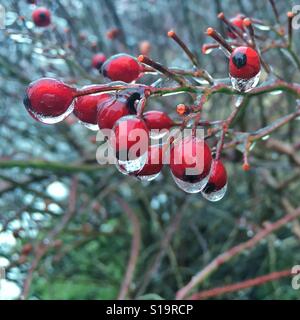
50, 101
190, 158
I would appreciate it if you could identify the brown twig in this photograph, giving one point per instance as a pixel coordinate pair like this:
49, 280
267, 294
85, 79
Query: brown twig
134, 251
215, 35
172, 34
236, 250
258, 281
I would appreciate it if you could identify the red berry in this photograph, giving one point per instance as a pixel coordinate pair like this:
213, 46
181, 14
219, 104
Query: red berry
244, 63
86, 107
130, 138
98, 60
121, 67
41, 17
218, 177
238, 22
110, 110
154, 162
49, 100
157, 120
190, 159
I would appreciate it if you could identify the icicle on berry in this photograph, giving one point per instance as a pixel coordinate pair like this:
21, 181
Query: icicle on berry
86, 108
41, 17
121, 67
49, 100
244, 68
190, 162
158, 122
153, 165
217, 183
98, 60
238, 22
111, 109
130, 141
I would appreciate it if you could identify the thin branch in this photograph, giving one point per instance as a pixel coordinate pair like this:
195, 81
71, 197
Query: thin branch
235, 251
135, 249
241, 285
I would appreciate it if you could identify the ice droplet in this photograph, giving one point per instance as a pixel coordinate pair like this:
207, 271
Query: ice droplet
148, 178
50, 119
244, 85
191, 187
275, 93
265, 137
216, 195
130, 166
262, 27
93, 127
157, 133
239, 100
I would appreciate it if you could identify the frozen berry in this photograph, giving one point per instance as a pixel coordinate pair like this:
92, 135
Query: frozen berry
157, 120
130, 138
121, 67
237, 21
244, 63
153, 165
190, 162
41, 17
86, 107
111, 109
217, 183
98, 60
49, 100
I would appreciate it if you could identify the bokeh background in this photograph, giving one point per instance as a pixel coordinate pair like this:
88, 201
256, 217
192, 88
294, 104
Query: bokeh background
67, 224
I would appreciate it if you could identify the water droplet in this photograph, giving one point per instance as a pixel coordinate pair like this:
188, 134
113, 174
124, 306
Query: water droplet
148, 178
191, 187
266, 137
50, 119
93, 127
244, 85
239, 100
262, 27
201, 81
157, 133
129, 166
215, 196
275, 93
208, 51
